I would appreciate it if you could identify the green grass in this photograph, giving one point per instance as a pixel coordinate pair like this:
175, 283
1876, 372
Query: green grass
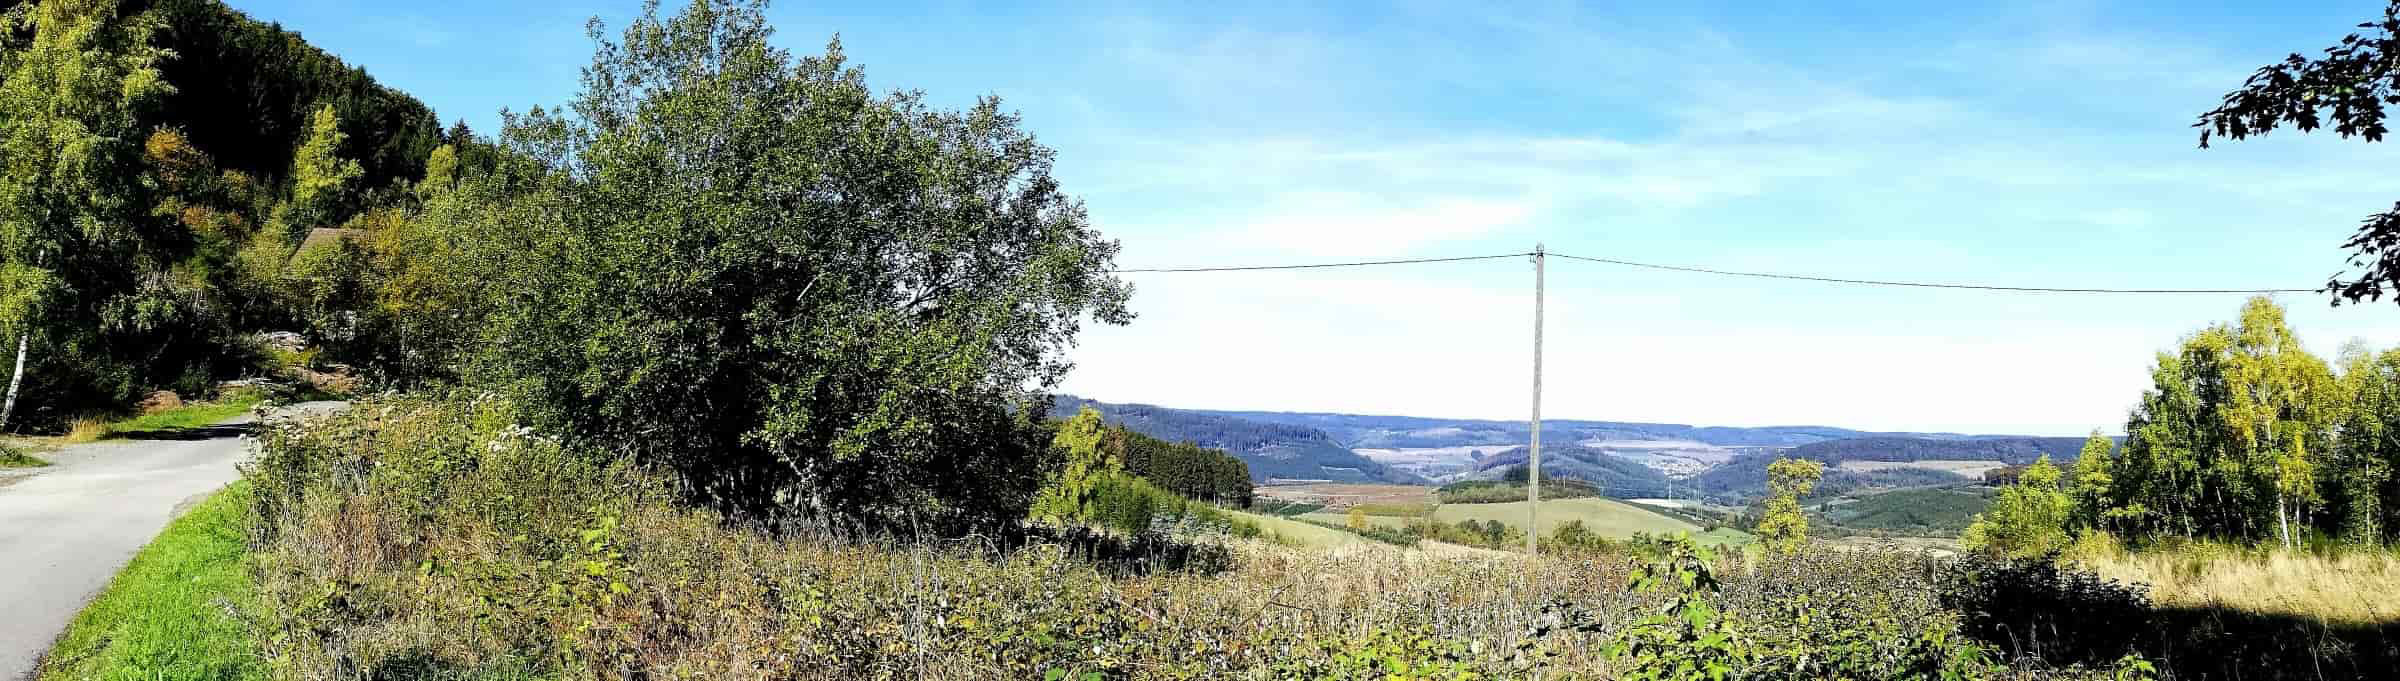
1303, 534
171, 614
11, 458
187, 417
1607, 517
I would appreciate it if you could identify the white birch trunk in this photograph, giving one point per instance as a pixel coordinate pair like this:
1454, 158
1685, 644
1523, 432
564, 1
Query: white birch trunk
15, 379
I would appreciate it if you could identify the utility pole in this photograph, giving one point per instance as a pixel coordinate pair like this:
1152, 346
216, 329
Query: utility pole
1533, 471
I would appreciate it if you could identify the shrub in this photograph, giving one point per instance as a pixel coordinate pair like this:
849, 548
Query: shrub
2028, 520
2041, 608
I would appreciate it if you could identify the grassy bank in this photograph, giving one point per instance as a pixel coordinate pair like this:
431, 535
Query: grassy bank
187, 417
179, 610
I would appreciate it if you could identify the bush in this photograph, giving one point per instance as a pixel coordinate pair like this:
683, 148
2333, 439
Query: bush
2037, 607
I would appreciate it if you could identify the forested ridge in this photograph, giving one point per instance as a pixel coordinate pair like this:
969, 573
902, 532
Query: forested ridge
154, 199
1270, 450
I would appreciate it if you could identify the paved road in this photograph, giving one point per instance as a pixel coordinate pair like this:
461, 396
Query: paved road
66, 529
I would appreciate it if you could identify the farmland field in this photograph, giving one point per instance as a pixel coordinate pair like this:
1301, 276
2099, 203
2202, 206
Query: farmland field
1340, 496
1967, 467
1304, 534
1607, 517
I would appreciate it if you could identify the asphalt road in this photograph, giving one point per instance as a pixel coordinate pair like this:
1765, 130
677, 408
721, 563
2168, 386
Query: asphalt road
66, 529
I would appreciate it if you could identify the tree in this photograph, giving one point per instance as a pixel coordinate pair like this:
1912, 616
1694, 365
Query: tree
2367, 447
2237, 439
2280, 408
2349, 86
2028, 520
2092, 485
1783, 526
75, 78
814, 302
1073, 492
321, 178
1357, 519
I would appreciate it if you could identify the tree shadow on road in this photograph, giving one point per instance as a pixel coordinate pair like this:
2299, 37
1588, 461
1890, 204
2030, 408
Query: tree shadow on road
192, 433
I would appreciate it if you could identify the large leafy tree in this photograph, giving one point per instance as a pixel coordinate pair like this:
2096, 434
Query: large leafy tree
811, 300
76, 77
2348, 88
2236, 439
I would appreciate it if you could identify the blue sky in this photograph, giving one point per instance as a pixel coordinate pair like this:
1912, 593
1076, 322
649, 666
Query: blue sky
2021, 143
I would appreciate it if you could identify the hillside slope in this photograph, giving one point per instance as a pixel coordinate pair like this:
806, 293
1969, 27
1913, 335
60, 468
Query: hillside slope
1613, 476
1273, 451
1745, 477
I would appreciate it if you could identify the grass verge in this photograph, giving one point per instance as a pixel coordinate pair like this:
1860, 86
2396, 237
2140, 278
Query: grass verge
11, 458
177, 611
187, 417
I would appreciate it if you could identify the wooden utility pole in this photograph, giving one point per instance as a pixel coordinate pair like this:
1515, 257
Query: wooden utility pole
1533, 470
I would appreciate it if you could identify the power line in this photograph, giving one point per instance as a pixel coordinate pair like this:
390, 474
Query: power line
1921, 284
1312, 266
1729, 273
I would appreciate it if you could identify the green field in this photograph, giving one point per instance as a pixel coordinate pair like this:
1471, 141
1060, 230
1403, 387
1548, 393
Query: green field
1304, 534
1606, 517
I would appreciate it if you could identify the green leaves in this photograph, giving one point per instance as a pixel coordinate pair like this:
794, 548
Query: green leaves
806, 298
1783, 527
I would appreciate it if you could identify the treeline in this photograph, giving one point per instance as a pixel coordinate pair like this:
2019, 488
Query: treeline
2244, 436
163, 162
1511, 487
1744, 479
1182, 467
1210, 430
1611, 475
813, 302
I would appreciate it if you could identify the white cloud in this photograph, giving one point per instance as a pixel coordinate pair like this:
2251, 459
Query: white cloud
1749, 164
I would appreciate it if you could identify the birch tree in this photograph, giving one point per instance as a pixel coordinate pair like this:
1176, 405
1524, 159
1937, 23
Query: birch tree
75, 78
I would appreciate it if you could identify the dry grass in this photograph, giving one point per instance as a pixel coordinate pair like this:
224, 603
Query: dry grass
2352, 587
86, 429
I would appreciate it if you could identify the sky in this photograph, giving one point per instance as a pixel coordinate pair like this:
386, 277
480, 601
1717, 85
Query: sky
2023, 143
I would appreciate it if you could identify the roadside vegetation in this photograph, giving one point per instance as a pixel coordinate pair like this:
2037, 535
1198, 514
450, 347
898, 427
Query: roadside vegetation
12, 456
184, 608
169, 421
734, 366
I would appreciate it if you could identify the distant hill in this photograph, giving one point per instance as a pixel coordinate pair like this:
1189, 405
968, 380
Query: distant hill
1912, 512
2011, 450
1367, 431
1273, 450
1614, 477
1745, 477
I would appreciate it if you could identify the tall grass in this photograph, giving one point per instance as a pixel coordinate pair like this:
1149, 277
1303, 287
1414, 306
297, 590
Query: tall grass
407, 539
2341, 586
